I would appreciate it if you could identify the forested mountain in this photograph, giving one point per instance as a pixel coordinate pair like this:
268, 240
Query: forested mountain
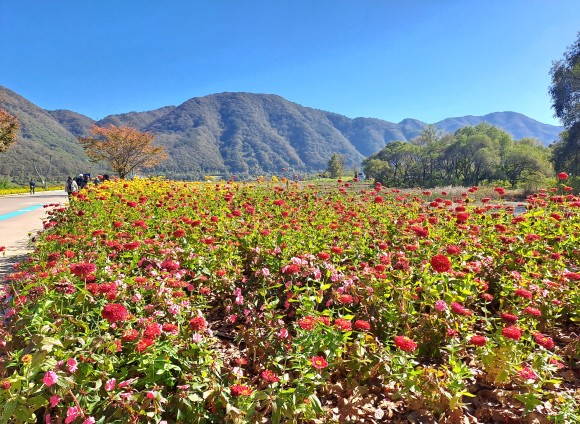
516, 124
42, 142
243, 134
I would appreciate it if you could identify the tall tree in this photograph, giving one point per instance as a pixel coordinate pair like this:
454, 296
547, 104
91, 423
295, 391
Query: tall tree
335, 166
125, 149
565, 93
9, 126
565, 88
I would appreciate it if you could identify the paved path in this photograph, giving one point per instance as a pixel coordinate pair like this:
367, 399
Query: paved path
20, 217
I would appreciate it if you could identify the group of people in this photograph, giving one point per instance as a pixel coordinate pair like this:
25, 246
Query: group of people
75, 184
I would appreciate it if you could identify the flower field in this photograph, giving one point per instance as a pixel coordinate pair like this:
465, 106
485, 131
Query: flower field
151, 301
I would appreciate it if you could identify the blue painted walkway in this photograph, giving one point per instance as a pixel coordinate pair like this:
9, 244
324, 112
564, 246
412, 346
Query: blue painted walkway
20, 212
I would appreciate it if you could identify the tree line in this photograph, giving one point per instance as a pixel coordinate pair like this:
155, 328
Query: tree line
469, 156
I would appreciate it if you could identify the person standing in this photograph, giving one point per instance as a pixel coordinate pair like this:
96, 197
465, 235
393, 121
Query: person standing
32, 186
71, 187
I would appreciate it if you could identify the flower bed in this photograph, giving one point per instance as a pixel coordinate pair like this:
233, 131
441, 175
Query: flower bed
158, 300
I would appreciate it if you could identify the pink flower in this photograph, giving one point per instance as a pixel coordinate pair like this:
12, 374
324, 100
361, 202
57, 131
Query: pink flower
283, 333
54, 400
110, 384
527, 373
50, 378
72, 365
71, 414
89, 420
319, 362
440, 305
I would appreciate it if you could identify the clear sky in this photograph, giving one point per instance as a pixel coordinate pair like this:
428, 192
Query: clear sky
389, 59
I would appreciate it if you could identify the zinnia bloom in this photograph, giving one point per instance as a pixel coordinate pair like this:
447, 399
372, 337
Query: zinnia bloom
319, 362
307, 323
562, 176
240, 390
362, 325
512, 332
440, 263
460, 310
198, 324
270, 377
343, 324
527, 373
509, 317
544, 341
533, 311
404, 343
114, 312
478, 340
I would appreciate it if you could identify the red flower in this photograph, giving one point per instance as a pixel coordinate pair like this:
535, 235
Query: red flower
478, 340
198, 324
378, 199
509, 317
270, 377
533, 311
336, 249
544, 341
440, 263
114, 312
323, 256
130, 335
170, 328
362, 325
133, 245
404, 343
343, 324
562, 176
319, 362
523, 293
152, 331
345, 299
460, 310
453, 250
307, 323
240, 390
82, 269
512, 332
143, 344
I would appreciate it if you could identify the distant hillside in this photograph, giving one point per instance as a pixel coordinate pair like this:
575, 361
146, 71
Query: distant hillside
240, 134
516, 124
41, 140
74, 122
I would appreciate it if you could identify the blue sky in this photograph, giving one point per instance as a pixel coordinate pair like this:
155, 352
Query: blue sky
388, 59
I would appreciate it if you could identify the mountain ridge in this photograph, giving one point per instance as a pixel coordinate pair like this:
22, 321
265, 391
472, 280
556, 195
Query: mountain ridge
243, 133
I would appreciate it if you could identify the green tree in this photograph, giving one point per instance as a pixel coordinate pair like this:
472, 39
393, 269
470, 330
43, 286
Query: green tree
565, 93
335, 166
526, 160
566, 151
565, 88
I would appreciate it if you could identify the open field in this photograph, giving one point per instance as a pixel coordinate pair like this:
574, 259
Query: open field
271, 302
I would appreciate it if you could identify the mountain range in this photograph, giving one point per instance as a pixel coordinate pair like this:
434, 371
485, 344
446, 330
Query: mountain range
244, 134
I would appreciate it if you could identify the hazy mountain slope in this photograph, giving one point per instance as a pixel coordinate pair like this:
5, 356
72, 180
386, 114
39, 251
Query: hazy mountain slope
40, 138
75, 123
516, 124
138, 120
248, 133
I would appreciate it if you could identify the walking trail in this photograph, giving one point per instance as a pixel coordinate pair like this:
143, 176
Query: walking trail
21, 217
